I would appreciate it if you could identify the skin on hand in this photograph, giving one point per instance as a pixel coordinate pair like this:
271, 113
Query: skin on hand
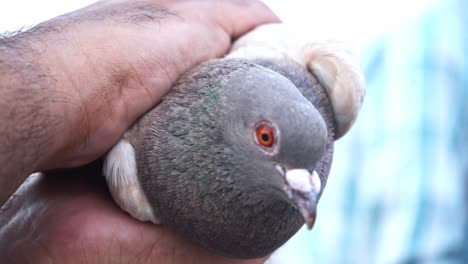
72, 85
69, 88
69, 217
119, 59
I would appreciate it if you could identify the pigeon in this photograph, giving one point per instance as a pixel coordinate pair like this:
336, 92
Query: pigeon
236, 157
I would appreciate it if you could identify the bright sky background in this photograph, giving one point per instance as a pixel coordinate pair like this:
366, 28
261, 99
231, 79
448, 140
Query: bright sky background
357, 21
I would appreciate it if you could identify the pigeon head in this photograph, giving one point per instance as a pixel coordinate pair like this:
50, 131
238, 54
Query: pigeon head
277, 138
229, 158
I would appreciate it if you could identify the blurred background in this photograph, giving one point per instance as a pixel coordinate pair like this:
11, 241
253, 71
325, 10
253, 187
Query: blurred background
398, 188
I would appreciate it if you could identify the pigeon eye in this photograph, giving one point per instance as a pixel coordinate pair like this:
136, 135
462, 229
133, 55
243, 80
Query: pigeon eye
265, 136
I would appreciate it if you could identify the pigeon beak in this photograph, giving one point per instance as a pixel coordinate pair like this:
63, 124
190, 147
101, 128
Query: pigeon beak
303, 188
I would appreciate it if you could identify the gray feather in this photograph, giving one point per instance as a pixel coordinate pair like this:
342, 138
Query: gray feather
200, 168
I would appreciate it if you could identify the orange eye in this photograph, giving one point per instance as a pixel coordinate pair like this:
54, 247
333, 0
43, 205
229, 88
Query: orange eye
265, 136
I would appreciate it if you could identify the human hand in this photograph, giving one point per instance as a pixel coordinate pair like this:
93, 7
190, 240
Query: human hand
72, 85
69, 217
115, 59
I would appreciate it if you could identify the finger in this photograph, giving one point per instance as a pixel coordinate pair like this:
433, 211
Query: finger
236, 17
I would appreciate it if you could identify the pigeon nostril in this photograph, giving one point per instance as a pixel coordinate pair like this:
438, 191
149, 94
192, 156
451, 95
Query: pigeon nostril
299, 180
